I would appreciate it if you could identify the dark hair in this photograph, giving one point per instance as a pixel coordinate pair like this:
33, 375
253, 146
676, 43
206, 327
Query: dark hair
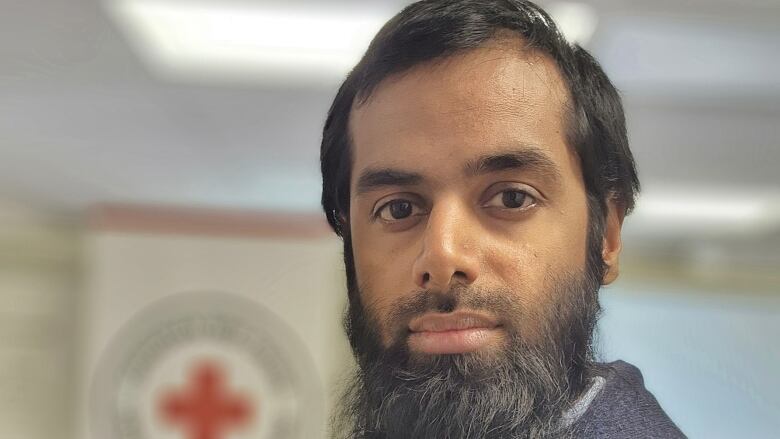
435, 29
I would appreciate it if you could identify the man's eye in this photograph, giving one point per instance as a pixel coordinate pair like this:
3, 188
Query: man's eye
395, 210
512, 199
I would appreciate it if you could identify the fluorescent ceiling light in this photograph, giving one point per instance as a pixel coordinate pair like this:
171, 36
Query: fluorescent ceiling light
220, 38
703, 209
577, 21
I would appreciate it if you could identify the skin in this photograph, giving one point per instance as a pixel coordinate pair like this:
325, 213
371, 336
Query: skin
432, 121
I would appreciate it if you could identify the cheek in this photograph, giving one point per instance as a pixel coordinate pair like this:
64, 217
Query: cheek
528, 253
519, 267
530, 262
381, 272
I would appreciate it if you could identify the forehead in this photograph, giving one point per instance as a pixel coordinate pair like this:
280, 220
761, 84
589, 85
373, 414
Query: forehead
498, 96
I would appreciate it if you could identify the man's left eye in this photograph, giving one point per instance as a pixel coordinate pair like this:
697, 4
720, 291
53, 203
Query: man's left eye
512, 199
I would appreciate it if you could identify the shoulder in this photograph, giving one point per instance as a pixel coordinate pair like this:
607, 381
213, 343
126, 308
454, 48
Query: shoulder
624, 408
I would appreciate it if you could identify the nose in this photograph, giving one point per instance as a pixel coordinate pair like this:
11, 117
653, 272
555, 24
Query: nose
449, 252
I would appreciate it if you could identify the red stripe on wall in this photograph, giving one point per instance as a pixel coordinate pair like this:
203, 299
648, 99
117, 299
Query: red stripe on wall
210, 222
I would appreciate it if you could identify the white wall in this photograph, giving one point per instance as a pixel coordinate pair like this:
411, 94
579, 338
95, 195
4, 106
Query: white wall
301, 281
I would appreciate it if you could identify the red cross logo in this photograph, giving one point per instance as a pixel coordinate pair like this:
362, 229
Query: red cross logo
205, 409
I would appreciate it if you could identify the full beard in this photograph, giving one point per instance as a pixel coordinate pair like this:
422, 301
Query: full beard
520, 391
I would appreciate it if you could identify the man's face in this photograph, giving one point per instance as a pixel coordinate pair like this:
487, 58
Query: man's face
462, 180
472, 259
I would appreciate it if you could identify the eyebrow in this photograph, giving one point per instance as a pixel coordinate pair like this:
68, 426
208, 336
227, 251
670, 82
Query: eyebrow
526, 158
375, 179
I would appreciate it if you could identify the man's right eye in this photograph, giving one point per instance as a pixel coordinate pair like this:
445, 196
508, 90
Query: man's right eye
395, 210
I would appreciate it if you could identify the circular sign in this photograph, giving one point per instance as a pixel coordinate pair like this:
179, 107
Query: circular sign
205, 366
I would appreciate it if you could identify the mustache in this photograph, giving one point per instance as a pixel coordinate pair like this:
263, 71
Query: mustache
496, 303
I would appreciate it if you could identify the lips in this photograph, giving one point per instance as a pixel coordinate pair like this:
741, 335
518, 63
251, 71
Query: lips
454, 333
451, 322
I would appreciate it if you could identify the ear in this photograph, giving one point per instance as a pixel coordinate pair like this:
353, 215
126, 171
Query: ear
613, 243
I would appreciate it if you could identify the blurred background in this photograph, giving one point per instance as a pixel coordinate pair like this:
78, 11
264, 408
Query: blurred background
156, 147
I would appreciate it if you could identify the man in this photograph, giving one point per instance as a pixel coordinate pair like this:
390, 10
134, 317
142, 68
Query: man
477, 167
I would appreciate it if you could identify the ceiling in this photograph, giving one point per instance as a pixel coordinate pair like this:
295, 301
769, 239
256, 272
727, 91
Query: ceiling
84, 120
